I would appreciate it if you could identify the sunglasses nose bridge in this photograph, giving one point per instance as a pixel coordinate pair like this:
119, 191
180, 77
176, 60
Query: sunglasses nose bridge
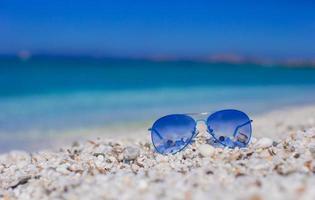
201, 125
200, 121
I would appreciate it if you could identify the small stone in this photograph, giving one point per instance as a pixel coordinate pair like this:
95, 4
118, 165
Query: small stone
161, 158
209, 172
111, 159
264, 143
135, 168
99, 163
75, 144
140, 161
131, 153
255, 197
120, 157
21, 181
75, 168
63, 169
253, 140
23, 163
143, 185
297, 155
311, 148
274, 143
206, 150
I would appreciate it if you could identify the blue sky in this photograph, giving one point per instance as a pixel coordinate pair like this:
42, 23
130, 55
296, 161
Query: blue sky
272, 29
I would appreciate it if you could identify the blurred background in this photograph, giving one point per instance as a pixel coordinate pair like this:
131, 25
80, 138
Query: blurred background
78, 68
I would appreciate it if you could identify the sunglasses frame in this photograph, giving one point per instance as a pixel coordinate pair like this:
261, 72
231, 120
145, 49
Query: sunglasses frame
200, 117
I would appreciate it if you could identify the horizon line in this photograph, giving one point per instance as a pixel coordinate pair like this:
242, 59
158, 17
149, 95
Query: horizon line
212, 58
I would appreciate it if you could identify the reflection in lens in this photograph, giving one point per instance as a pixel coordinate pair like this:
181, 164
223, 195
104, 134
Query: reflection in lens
172, 133
230, 127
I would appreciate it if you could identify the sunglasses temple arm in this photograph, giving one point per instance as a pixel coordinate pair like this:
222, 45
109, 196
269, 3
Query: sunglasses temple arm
157, 133
239, 126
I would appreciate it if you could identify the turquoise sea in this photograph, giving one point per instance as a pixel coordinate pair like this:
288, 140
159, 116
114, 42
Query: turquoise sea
64, 93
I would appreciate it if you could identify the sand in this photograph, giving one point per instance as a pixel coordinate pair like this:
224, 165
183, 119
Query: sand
278, 164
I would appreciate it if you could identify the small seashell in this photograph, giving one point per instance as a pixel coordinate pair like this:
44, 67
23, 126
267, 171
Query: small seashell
264, 143
100, 158
206, 150
131, 153
98, 154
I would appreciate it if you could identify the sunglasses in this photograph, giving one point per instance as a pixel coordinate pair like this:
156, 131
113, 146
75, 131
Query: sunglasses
228, 128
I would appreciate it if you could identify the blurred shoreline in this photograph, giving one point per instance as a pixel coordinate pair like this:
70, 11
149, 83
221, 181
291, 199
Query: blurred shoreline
271, 123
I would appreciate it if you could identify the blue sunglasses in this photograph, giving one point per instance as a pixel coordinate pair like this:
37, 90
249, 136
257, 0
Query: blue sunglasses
228, 128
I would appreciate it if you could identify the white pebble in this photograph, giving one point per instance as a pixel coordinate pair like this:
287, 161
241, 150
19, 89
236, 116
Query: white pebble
63, 169
143, 185
206, 150
253, 140
131, 153
311, 148
135, 167
264, 143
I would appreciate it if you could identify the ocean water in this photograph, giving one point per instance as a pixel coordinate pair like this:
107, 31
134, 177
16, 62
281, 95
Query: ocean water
50, 93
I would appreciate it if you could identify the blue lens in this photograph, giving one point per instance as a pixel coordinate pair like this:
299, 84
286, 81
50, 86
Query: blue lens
231, 128
172, 133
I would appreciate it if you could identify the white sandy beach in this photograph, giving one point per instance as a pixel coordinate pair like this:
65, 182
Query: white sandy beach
278, 164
